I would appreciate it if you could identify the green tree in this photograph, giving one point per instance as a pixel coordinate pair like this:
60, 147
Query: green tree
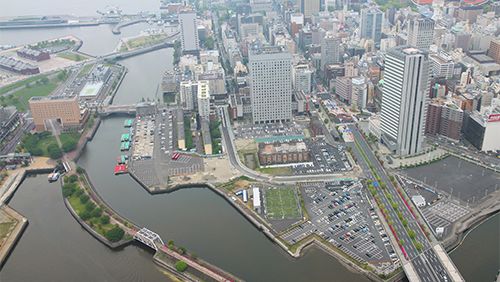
104, 219
69, 145
68, 190
85, 215
96, 212
84, 198
89, 206
73, 178
181, 266
209, 43
115, 234
79, 170
54, 151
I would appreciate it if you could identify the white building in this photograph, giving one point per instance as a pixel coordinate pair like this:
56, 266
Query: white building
441, 65
256, 199
330, 50
302, 76
404, 100
188, 90
270, 84
359, 92
309, 7
203, 99
421, 32
189, 31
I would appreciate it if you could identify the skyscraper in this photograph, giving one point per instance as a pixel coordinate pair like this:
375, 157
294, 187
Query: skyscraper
404, 99
330, 50
309, 7
420, 32
203, 99
270, 84
371, 23
189, 31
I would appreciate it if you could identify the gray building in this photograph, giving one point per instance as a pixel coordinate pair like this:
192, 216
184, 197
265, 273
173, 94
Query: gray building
371, 23
330, 50
270, 84
421, 32
404, 99
189, 31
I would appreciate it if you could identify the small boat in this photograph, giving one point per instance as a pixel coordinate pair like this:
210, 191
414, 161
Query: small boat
54, 176
120, 169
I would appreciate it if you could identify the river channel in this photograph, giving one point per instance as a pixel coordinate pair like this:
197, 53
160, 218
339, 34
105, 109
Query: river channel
55, 248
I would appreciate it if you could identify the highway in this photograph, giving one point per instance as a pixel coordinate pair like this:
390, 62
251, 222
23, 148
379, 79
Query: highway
426, 263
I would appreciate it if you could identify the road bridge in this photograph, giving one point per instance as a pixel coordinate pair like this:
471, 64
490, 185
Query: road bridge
117, 109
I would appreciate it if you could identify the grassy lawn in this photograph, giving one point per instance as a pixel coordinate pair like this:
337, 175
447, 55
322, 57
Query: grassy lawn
285, 170
85, 70
71, 136
72, 56
41, 86
147, 40
17, 84
281, 203
5, 227
78, 207
37, 144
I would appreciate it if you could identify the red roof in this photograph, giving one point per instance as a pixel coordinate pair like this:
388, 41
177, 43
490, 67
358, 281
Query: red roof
120, 169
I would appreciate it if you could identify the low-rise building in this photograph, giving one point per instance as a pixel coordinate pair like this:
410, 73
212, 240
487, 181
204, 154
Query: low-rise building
32, 54
205, 134
283, 153
17, 66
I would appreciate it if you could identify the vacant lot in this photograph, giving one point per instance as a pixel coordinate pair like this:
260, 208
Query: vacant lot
281, 203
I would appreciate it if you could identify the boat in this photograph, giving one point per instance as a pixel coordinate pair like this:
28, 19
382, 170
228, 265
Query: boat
54, 176
122, 159
120, 169
128, 123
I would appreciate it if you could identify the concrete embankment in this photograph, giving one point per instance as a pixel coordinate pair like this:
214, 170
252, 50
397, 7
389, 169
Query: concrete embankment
15, 234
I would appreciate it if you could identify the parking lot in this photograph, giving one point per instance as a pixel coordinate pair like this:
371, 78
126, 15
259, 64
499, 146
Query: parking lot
252, 131
466, 181
153, 163
341, 213
443, 214
325, 159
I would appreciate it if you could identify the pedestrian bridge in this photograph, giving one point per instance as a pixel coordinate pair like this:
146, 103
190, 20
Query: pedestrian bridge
117, 109
149, 238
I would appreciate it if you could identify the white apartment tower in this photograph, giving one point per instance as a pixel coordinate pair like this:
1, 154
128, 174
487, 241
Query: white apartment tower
330, 50
404, 99
420, 32
189, 31
270, 84
302, 76
188, 90
203, 99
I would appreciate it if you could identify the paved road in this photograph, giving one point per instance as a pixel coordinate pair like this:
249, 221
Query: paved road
426, 263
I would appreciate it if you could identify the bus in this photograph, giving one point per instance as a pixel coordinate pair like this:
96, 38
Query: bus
175, 156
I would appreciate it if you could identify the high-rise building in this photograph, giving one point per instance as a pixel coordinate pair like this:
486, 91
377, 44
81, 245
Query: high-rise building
494, 50
404, 99
359, 92
203, 99
261, 6
189, 31
188, 90
309, 7
270, 84
330, 50
371, 23
420, 32
63, 110
302, 76
343, 88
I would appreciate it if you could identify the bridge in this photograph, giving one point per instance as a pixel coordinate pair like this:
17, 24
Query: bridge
116, 28
149, 238
154, 241
168, 43
117, 109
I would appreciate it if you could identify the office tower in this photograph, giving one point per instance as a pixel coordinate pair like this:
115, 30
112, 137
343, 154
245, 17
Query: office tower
494, 50
270, 84
343, 89
203, 99
188, 90
330, 50
371, 23
441, 65
261, 6
309, 7
420, 32
63, 110
189, 31
404, 98
302, 76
